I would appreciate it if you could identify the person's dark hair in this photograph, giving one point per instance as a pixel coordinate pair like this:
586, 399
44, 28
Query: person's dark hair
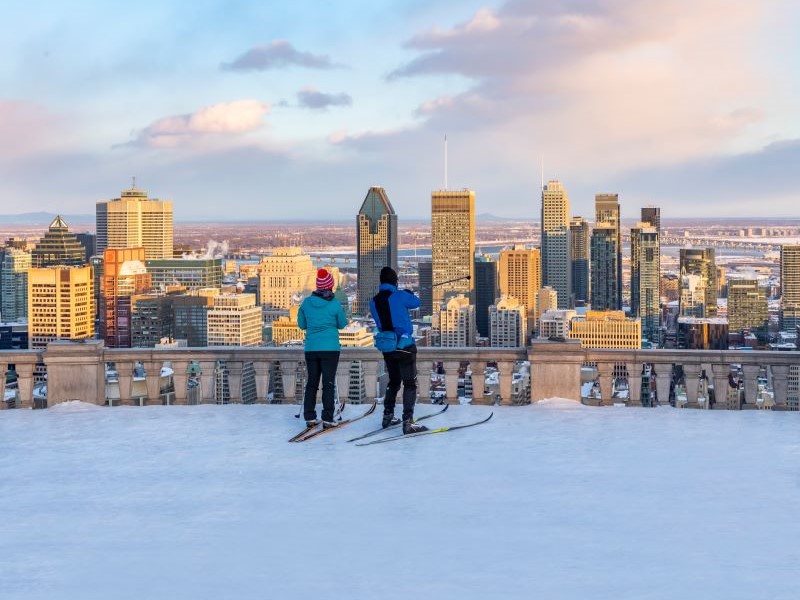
388, 275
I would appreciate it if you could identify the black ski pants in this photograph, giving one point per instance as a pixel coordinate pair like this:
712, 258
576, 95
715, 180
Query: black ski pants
320, 363
402, 368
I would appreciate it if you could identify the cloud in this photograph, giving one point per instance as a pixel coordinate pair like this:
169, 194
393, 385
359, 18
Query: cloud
316, 100
27, 128
223, 119
278, 54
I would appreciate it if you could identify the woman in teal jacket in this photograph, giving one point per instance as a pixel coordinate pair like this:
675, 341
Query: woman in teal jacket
321, 316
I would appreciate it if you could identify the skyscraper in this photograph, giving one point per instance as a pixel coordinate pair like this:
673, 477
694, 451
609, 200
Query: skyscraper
285, 277
425, 271
456, 324
485, 291
134, 220
646, 279
520, 278
556, 251
790, 287
376, 245
747, 307
452, 244
606, 209
605, 294
14, 285
60, 305
508, 323
58, 247
579, 244
698, 282
124, 276
652, 216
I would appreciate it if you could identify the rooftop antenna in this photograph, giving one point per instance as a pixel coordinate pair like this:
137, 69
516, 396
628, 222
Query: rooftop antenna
542, 173
445, 162
133, 185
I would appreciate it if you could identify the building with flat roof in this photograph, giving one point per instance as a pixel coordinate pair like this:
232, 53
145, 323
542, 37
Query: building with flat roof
456, 323
60, 305
508, 327
134, 220
452, 245
556, 253
234, 320
285, 277
14, 284
191, 273
607, 329
520, 271
702, 333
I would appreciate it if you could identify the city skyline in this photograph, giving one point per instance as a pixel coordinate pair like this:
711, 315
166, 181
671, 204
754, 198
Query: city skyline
634, 98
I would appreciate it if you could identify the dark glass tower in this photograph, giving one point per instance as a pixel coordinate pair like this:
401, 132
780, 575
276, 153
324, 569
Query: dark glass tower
485, 292
579, 240
605, 293
376, 241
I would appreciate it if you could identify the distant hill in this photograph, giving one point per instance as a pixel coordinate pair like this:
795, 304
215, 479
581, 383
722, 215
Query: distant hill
43, 218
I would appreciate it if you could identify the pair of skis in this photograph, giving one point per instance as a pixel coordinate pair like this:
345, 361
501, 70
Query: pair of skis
317, 430
402, 436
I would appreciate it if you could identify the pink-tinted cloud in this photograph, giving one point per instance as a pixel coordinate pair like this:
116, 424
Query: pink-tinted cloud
278, 54
25, 129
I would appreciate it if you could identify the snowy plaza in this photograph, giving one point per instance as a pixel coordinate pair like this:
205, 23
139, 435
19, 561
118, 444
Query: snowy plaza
554, 500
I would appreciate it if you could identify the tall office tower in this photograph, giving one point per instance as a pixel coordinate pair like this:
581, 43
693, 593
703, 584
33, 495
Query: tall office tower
58, 247
556, 250
234, 320
579, 244
134, 220
87, 240
607, 329
520, 278
698, 262
485, 291
790, 287
646, 280
605, 291
453, 244
457, 323
546, 299
60, 305
14, 285
652, 216
191, 273
425, 270
747, 306
285, 277
508, 323
124, 275
606, 210
376, 245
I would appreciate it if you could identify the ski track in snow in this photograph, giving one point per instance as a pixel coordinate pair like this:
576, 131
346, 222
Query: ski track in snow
551, 501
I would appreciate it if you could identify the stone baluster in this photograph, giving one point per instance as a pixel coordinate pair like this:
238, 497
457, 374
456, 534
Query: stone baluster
663, 380
24, 384
125, 378
152, 371
721, 373
261, 369
370, 369
478, 369
605, 372
180, 377
780, 385
289, 378
506, 371
634, 383
208, 373
424, 381
750, 374
691, 373
234, 368
343, 380
451, 380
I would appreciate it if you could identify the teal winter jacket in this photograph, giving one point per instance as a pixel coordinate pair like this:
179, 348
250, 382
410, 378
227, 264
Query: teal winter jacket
321, 318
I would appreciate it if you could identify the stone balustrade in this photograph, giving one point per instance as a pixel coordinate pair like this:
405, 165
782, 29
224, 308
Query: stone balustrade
77, 371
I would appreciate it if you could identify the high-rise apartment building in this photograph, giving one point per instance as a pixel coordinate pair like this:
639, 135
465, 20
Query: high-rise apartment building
606, 210
747, 306
580, 255
508, 323
556, 248
14, 285
555, 324
546, 299
486, 292
607, 329
652, 216
191, 273
790, 287
124, 276
698, 282
646, 280
425, 271
234, 320
60, 305
605, 291
452, 245
134, 220
456, 323
520, 277
176, 316
58, 247
376, 245
285, 277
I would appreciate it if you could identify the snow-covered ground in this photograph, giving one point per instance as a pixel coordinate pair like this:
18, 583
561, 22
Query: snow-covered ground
551, 501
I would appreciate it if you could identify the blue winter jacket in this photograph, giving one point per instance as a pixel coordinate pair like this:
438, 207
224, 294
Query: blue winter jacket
400, 302
321, 318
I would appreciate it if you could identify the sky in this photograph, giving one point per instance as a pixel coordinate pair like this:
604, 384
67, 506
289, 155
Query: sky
293, 109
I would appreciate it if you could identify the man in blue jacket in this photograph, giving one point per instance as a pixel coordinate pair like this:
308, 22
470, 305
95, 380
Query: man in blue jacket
390, 309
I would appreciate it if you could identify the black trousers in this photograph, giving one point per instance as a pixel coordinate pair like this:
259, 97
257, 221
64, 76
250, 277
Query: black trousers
320, 363
402, 368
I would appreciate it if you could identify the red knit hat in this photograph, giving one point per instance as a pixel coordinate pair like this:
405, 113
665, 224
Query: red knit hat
324, 280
